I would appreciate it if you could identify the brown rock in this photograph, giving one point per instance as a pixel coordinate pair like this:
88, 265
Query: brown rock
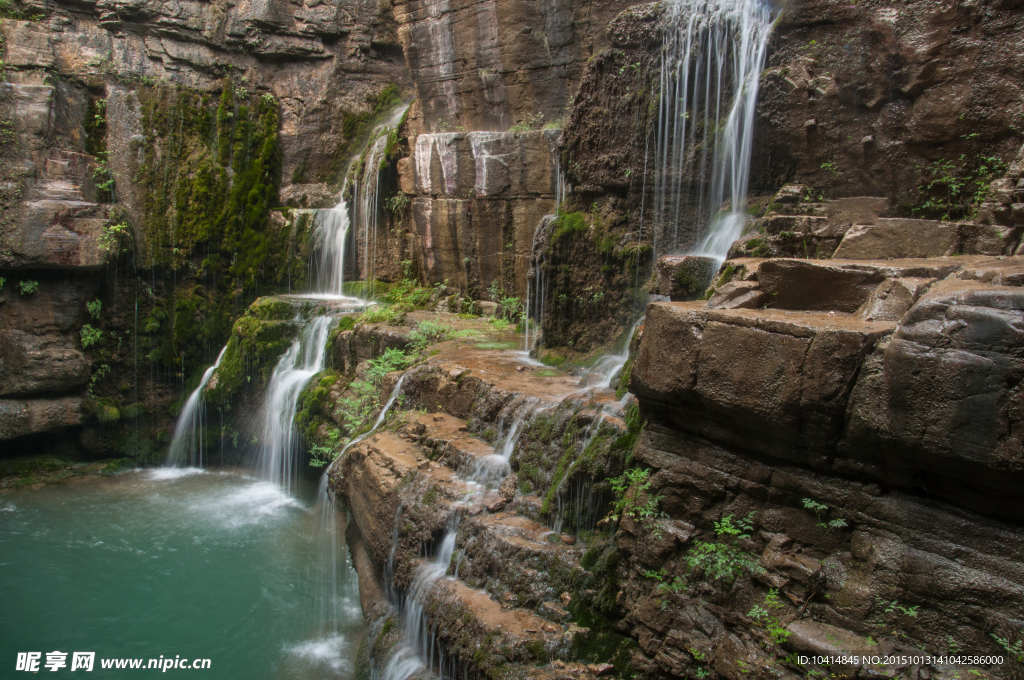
553, 610
889, 239
685, 277
568, 539
892, 298
600, 668
813, 637
736, 295
507, 490
566, 598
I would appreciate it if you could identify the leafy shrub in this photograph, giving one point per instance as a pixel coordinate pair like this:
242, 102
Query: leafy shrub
391, 360
28, 287
818, 509
430, 332
397, 203
90, 336
94, 308
723, 560
953, 189
633, 497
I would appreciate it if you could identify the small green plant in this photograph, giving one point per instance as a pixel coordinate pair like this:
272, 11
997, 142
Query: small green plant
1014, 649
391, 360
90, 336
430, 332
111, 238
534, 122
895, 607
27, 287
397, 204
723, 560
103, 177
510, 307
378, 314
832, 167
499, 324
765, 616
819, 509
953, 189
101, 372
2, 282
94, 308
633, 496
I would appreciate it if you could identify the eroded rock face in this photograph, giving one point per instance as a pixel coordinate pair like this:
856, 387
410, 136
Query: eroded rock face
856, 96
768, 380
943, 393
489, 65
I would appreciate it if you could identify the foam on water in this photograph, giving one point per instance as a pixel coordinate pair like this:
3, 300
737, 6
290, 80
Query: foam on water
165, 474
332, 652
254, 502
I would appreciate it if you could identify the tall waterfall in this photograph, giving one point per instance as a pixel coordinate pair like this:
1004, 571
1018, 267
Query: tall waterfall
187, 442
279, 442
712, 60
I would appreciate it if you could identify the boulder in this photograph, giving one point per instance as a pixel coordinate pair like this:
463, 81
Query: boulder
838, 286
937, 407
768, 380
890, 238
736, 295
892, 298
685, 277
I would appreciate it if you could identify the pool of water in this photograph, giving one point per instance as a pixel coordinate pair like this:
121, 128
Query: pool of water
202, 564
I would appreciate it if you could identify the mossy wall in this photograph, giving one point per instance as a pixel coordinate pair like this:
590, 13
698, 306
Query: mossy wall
209, 185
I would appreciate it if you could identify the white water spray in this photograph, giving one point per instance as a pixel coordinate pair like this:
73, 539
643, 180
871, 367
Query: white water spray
187, 442
418, 646
712, 60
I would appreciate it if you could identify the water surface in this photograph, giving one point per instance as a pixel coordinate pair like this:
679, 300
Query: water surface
211, 564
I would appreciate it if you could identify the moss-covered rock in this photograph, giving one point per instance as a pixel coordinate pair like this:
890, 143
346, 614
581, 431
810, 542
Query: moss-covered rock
258, 339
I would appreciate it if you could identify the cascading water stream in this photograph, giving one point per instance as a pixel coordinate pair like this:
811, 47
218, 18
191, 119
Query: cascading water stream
535, 277
488, 471
713, 55
331, 233
418, 646
331, 595
607, 367
278, 442
187, 442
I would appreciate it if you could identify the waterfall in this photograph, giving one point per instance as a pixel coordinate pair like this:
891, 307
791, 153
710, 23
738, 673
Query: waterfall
418, 646
329, 599
607, 367
712, 60
187, 442
331, 232
278, 443
490, 470
535, 286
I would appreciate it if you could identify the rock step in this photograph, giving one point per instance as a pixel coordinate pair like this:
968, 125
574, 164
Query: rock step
447, 438
865, 288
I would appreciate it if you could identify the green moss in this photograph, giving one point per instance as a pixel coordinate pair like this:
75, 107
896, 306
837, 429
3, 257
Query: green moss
356, 127
253, 350
30, 465
207, 183
552, 359
272, 309
566, 224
